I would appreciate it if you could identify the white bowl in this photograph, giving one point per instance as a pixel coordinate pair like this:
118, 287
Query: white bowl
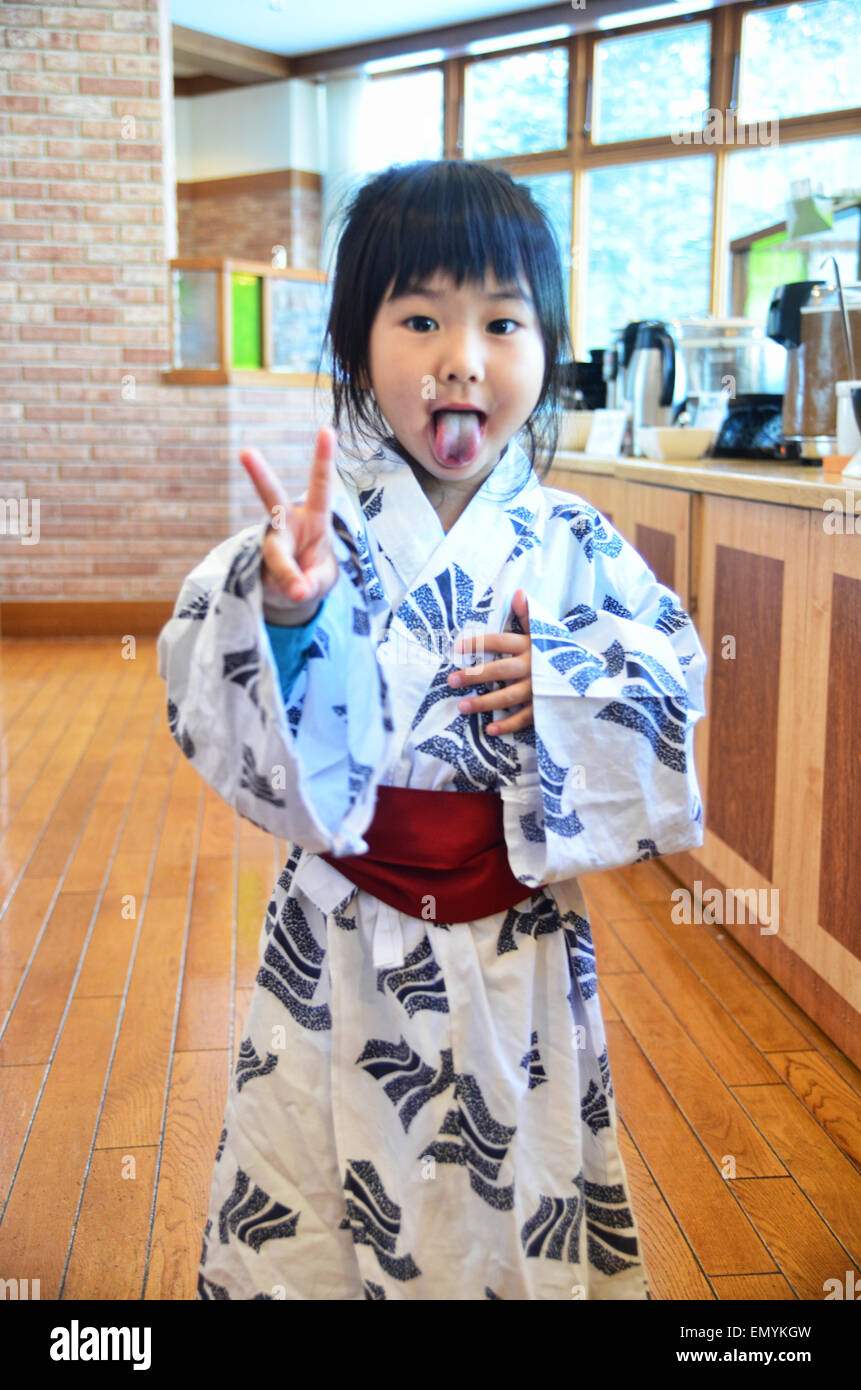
574, 428
671, 443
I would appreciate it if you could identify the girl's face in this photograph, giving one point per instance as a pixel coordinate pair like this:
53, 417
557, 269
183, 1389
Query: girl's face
448, 347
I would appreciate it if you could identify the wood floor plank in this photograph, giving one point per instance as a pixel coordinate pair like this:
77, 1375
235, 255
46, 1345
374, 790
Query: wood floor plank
143, 827
129, 758
610, 894
37, 1224
671, 1268
204, 1014
720, 1124
174, 865
648, 881
198, 1092
608, 1009
814, 1036
19, 1087
610, 953
702, 1202
753, 1288
805, 1250
704, 1018
219, 827
109, 952
749, 1005
830, 1099
109, 1248
826, 1176
19, 931
28, 733
39, 1008
68, 787
65, 790
736, 952
134, 1103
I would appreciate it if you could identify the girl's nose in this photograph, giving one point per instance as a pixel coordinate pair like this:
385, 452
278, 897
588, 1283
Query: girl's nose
461, 358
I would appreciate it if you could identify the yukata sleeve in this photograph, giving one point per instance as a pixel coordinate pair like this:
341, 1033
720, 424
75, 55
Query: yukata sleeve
618, 686
308, 773
290, 647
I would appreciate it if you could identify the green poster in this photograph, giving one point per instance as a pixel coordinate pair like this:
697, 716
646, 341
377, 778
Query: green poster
246, 297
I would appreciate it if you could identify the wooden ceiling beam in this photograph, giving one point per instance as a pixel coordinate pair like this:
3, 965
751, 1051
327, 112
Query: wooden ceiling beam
234, 62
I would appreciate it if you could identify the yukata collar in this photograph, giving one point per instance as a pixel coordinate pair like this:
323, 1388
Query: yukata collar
410, 532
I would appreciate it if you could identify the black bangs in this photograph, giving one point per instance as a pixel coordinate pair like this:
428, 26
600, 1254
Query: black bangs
456, 217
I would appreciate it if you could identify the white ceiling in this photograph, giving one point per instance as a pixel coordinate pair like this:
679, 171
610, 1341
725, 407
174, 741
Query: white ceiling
299, 27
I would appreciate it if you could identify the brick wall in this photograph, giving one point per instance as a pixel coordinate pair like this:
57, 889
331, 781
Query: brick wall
248, 215
135, 480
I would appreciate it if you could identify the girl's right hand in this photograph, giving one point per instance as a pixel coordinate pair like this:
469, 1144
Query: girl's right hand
298, 562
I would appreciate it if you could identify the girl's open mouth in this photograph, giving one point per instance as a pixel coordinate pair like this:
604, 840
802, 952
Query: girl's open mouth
456, 436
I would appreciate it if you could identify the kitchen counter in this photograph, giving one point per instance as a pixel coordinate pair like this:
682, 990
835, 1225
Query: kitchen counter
775, 592
790, 484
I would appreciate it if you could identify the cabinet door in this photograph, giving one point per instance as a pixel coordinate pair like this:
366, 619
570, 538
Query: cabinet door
824, 849
780, 619
658, 525
753, 597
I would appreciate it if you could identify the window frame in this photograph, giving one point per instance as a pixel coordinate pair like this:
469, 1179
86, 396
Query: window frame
581, 154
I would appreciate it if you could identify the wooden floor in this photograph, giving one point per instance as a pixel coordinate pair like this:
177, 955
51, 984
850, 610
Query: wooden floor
131, 901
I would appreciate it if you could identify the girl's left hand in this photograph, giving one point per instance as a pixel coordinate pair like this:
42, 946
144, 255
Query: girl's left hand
516, 667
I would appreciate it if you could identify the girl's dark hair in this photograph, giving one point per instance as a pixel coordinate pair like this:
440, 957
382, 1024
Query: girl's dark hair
452, 216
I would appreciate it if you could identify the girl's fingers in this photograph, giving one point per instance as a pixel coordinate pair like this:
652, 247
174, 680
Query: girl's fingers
266, 484
499, 699
319, 496
514, 642
285, 575
504, 670
516, 721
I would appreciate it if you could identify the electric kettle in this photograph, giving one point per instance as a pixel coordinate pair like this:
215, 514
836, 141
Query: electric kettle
653, 380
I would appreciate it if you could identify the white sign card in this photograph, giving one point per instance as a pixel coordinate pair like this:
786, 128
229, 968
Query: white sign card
607, 432
711, 410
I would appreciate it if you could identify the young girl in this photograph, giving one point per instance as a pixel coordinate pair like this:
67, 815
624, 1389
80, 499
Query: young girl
422, 1106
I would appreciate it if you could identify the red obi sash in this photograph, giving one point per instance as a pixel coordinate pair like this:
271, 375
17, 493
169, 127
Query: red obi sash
440, 856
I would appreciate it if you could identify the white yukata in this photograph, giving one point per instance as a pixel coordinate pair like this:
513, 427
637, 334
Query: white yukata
424, 1110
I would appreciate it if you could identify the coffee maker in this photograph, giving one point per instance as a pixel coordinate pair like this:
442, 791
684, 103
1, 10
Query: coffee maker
683, 363
805, 317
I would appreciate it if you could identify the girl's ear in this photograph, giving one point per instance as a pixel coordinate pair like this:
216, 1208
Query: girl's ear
363, 381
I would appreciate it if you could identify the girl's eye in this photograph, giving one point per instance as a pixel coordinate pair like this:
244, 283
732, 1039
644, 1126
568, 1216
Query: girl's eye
513, 322
418, 318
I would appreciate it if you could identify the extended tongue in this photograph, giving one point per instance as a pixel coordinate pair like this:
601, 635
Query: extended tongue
457, 435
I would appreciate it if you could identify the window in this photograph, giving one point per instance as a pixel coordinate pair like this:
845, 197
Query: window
800, 59
516, 105
649, 249
402, 119
758, 190
651, 83
649, 245
758, 180
553, 193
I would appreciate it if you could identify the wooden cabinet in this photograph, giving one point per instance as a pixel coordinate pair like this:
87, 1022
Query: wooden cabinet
775, 592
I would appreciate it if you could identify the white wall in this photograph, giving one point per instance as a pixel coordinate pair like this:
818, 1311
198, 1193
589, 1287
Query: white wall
249, 130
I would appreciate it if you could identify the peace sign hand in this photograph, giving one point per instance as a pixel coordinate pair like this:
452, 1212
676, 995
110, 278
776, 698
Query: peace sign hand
298, 565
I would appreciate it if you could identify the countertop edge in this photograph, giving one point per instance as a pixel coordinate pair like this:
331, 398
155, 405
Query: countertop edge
787, 484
